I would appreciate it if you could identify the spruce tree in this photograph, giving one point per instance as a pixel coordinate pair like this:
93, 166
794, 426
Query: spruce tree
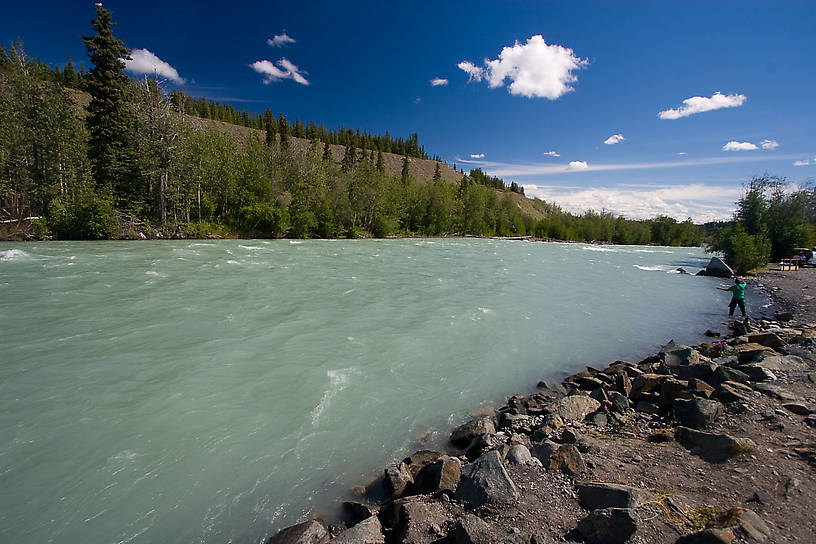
437, 177
269, 126
283, 129
69, 77
110, 120
405, 168
380, 164
327, 156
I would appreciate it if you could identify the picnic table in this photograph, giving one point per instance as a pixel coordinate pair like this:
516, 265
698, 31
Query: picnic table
789, 264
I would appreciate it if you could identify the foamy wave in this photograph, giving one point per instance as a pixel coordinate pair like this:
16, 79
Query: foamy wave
595, 248
338, 380
156, 274
250, 247
14, 255
650, 268
295, 242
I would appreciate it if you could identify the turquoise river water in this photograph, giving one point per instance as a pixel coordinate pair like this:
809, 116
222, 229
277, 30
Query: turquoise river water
216, 391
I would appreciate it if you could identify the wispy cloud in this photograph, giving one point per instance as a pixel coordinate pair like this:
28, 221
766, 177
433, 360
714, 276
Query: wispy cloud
439, 82
739, 146
577, 165
535, 69
769, 144
698, 201
805, 162
145, 62
699, 104
614, 139
280, 70
477, 156
551, 154
515, 170
280, 40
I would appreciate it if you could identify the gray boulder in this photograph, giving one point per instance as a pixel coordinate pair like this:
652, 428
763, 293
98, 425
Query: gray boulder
619, 402
798, 408
758, 373
441, 475
308, 532
576, 407
767, 339
711, 447
397, 478
519, 455
485, 481
472, 529
716, 267
608, 526
598, 495
543, 450
727, 374
697, 413
368, 531
464, 434
417, 517
676, 355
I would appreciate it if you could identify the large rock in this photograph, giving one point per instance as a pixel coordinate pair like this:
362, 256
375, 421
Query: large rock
368, 531
728, 374
398, 479
416, 519
747, 353
543, 450
472, 529
519, 455
757, 373
714, 448
464, 434
567, 459
576, 407
308, 532
716, 267
417, 460
697, 413
701, 371
646, 383
676, 355
608, 526
485, 481
767, 339
598, 495
619, 402
441, 475
747, 522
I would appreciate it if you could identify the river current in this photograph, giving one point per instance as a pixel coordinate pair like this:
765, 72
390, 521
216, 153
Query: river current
216, 391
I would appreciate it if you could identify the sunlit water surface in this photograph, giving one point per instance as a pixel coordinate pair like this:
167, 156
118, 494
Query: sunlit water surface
215, 391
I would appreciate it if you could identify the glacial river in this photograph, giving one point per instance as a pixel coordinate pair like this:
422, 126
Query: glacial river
216, 391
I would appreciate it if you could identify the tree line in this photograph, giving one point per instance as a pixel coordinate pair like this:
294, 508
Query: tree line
136, 165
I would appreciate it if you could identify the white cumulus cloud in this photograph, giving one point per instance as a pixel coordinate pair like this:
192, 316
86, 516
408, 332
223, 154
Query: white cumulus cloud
144, 62
477, 156
282, 69
535, 69
699, 104
739, 146
280, 40
696, 200
769, 144
551, 154
802, 163
614, 139
439, 81
577, 165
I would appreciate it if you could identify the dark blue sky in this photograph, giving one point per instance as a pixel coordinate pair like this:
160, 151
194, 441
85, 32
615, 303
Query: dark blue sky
599, 69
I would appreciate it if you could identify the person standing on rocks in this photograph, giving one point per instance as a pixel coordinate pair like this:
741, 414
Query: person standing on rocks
737, 296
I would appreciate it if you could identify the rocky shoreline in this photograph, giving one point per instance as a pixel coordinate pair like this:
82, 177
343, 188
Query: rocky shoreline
696, 444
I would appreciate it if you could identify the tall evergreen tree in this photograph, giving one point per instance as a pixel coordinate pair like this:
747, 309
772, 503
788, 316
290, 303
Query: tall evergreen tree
283, 130
405, 169
270, 128
380, 164
110, 120
437, 176
327, 156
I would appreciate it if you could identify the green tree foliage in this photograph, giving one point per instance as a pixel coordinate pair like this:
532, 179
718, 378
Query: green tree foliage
769, 223
111, 121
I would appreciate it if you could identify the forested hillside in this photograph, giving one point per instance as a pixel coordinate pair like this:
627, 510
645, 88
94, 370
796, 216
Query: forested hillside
125, 158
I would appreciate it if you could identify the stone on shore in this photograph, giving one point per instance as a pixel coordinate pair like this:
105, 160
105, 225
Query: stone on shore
599, 495
398, 478
441, 475
485, 481
519, 455
697, 413
416, 518
608, 526
676, 355
567, 459
308, 532
464, 434
576, 407
472, 529
767, 339
368, 531
711, 447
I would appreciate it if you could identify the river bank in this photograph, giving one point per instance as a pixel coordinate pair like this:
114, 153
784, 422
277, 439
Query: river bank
710, 443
